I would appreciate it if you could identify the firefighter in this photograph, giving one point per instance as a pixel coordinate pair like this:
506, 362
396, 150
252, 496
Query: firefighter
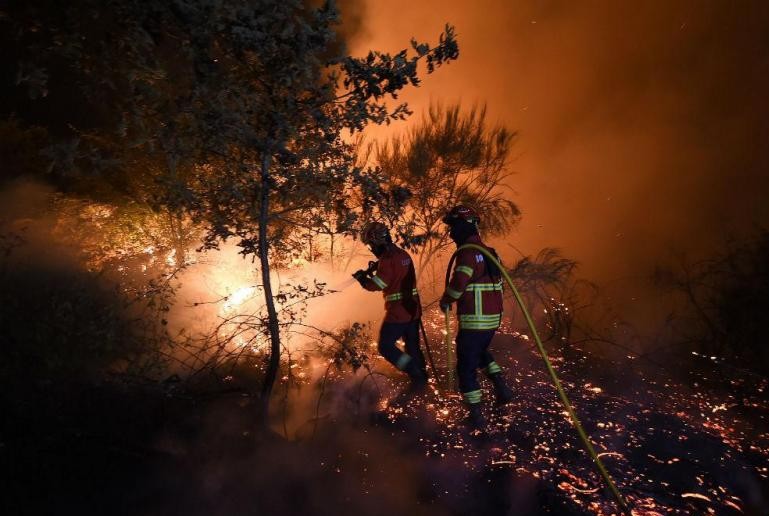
476, 287
395, 276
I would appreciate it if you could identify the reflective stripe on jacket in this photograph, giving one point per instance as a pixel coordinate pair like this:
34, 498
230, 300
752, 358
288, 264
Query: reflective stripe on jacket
396, 278
477, 294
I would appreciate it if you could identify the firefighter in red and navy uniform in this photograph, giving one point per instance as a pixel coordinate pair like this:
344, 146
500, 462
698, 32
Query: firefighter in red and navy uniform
396, 278
476, 287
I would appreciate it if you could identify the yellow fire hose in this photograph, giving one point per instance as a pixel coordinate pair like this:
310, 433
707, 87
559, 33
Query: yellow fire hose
449, 351
565, 399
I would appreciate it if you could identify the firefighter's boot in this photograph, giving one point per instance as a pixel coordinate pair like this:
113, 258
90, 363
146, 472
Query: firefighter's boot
502, 392
475, 419
417, 376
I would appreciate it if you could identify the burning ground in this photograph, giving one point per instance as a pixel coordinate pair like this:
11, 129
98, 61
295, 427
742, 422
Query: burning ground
689, 438
139, 372
672, 447
680, 433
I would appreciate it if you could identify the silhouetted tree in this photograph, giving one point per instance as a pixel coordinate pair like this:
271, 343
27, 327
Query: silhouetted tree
20, 148
545, 282
243, 105
451, 156
724, 301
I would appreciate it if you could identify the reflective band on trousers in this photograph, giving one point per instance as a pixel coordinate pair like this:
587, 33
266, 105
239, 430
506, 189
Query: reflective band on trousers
493, 368
403, 361
472, 396
399, 295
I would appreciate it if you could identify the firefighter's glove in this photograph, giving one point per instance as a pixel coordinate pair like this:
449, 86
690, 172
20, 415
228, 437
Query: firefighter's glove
445, 305
361, 276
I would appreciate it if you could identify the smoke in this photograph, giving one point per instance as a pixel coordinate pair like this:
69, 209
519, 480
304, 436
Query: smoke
26, 222
353, 14
643, 126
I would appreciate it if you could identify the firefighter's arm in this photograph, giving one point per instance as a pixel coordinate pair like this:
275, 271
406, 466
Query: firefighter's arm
380, 279
361, 276
463, 271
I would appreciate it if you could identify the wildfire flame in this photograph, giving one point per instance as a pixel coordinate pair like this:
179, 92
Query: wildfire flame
237, 298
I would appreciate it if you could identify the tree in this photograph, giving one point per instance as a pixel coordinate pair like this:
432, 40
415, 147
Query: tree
283, 150
243, 106
545, 282
105, 80
452, 156
20, 150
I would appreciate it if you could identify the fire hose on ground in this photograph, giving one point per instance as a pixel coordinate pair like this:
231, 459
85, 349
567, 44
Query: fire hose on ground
427, 348
554, 377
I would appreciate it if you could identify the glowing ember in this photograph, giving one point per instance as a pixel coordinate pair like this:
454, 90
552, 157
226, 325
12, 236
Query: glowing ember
695, 495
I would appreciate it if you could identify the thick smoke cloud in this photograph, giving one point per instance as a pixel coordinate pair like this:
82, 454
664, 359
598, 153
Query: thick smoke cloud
643, 125
353, 20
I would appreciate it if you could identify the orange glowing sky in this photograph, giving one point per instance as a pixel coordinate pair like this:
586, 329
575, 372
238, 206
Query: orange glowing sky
643, 128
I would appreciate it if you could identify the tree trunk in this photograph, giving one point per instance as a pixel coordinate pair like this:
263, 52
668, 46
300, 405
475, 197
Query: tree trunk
272, 315
332, 251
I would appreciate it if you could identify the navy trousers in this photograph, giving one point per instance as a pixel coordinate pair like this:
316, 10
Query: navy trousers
473, 354
390, 332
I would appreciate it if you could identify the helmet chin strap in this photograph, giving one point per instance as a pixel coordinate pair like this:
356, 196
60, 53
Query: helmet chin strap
378, 249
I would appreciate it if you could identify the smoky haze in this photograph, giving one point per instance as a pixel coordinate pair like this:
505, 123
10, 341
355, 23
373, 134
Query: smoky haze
644, 126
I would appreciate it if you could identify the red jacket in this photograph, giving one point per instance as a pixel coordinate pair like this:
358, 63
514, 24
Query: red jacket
396, 278
478, 295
